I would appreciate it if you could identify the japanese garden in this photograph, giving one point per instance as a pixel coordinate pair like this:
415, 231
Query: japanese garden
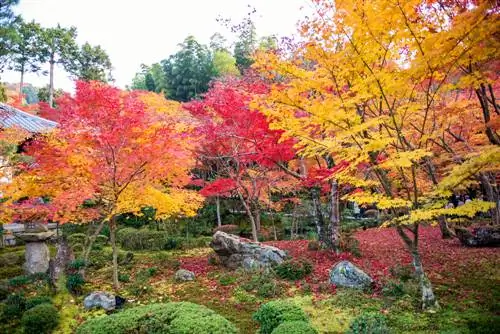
342, 179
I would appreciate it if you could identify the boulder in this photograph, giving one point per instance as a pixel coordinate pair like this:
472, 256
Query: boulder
184, 275
345, 274
484, 236
100, 299
235, 252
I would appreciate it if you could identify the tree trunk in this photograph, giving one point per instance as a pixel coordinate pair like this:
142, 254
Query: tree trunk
429, 300
51, 83
256, 211
333, 232
250, 216
90, 243
217, 207
21, 82
112, 234
317, 213
492, 196
446, 233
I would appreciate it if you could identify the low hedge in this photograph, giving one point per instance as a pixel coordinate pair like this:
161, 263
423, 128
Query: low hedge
178, 318
276, 312
146, 239
294, 327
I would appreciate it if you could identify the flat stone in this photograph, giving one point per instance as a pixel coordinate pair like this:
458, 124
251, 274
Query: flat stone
345, 274
37, 257
35, 237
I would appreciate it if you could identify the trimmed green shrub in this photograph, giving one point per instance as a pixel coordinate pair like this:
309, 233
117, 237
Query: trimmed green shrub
15, 305
274, 313
38, 300
41, 319
141, 239
295, 327
294, 269
74, 283
178, 318
369, 323
76, 264
19, 281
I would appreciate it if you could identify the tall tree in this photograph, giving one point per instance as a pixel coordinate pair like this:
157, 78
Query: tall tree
246, 44
239, 147
7, 30
189, 71
59, 47
26, 48
369, 92
110, 146
90, 63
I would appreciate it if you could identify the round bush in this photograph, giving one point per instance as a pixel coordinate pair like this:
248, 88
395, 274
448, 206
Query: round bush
274, 313
369, 323
294, 269
38, 300
41, 319
295, 327
178, 318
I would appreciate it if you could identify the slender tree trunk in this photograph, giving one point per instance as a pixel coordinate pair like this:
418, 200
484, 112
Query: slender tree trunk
256, 211
112, 234
21, 82
429, 300
446, 233
492, 196
90, 242
333, 231
317, 213
217, 207
248, 210
51, 83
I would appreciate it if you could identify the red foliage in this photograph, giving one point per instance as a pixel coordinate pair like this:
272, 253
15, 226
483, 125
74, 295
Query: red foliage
219, 187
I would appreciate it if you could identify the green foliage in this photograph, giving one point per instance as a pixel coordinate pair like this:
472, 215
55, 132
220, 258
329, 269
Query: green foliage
272, 314
15, 305
269, 289
10, 271
90, 63
141, 239
19, 281
189, 71
74, 283
394, 289
124, 278
4, 291
179, 318
41, 319
227, 280
34, 301
295, 327
294, 269
77, 264
403, 272
369, 323
242, 296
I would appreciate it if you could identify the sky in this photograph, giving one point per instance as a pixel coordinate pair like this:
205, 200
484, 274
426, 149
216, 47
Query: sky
146, 31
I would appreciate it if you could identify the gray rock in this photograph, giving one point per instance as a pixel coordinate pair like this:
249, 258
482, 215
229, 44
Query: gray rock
37, 258
345, 274
100, 299
184, 275
235, 252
